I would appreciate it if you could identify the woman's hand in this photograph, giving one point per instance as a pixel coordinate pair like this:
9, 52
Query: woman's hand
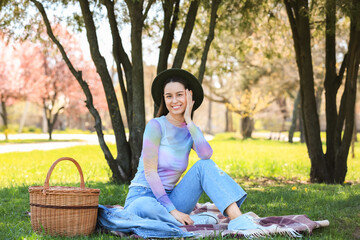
189, 106
182, 217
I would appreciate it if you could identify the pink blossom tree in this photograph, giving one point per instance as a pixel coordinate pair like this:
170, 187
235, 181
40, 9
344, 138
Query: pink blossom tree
13, 86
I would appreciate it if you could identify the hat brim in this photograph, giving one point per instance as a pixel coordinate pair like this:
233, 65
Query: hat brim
194, 84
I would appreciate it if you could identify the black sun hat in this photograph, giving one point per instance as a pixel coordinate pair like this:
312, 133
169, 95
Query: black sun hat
157, 87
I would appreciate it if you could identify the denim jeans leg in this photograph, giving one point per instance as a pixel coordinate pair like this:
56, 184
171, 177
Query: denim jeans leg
142, 202
206, 176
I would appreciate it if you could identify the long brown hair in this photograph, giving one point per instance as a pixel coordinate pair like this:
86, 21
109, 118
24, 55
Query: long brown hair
162, 108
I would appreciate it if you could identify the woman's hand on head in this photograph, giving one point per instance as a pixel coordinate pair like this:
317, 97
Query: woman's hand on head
183, 218
189, 106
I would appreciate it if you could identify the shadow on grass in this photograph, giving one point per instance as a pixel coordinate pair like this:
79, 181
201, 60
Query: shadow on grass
338, 204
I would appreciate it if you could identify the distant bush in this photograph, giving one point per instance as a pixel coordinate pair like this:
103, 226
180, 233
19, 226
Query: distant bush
72, 131
14, 128
31, 129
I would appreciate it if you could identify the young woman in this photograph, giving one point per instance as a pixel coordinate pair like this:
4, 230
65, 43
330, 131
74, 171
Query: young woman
155, 192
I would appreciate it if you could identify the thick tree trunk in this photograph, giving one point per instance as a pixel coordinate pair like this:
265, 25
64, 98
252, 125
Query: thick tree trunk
247, 127
332, 84
138, 118
331, 167
298, 14
347, 105
122, 166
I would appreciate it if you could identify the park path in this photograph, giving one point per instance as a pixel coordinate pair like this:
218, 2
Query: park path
83, 139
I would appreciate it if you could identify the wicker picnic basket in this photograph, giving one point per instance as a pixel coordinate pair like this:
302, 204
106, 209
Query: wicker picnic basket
64, 211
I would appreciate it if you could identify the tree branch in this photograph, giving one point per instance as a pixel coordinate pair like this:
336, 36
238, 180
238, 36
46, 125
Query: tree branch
147, 9
185, 37
224, 100
168, 35
340, 77
57, 114
214, 7
120, 56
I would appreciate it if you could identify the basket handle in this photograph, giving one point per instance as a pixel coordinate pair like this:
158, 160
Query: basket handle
82, 183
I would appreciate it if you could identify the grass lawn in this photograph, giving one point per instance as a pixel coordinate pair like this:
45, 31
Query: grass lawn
275, 175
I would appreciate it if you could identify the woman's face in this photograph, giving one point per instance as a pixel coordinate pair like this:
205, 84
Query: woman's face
175, 98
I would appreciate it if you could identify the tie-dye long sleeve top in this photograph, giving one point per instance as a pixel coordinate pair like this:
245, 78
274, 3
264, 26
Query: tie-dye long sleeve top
165, 156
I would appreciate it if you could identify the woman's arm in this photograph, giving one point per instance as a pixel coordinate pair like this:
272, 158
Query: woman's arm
151, 143
200, 145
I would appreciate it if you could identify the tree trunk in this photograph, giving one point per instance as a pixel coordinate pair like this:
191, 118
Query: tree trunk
347, 105
4, 118
138, 118
332, 166
353, 140
298, 14
23, 116
301, 126
49, 123
208, 126
228, 121
294, 116
247, 127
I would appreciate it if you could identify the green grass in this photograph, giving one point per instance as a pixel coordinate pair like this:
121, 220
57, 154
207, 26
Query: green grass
273, 173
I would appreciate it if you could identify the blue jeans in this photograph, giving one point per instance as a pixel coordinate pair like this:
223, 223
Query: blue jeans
203, 176
115, 219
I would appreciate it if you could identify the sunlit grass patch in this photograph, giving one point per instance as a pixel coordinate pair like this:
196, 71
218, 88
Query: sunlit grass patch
271, 172
29, 168
258, 158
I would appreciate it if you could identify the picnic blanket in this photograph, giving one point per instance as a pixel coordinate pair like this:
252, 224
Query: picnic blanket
291, 225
